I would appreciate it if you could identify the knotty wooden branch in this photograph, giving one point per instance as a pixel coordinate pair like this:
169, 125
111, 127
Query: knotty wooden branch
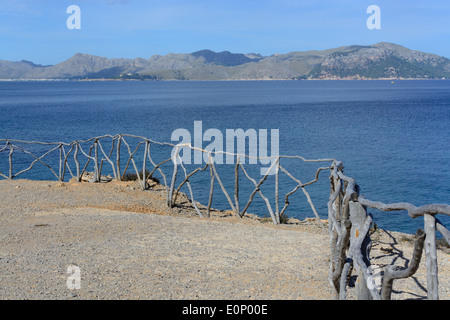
413, 211
186, 179
392, 273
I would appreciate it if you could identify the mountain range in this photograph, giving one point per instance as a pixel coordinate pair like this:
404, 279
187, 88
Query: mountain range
379, 61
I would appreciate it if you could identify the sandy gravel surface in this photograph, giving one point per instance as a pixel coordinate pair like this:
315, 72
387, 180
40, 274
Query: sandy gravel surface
129, 245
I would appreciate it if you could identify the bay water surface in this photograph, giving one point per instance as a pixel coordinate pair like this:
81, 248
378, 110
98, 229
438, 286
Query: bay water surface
393, 137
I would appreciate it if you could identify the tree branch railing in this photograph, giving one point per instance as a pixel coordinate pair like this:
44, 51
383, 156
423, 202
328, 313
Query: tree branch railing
93, 151
349, 225
348, 220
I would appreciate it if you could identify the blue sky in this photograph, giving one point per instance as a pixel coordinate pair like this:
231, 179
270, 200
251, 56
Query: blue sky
36, 30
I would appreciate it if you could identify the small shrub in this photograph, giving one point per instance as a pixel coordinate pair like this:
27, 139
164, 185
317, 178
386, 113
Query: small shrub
406, 238
266, 219
131, 176
284, 218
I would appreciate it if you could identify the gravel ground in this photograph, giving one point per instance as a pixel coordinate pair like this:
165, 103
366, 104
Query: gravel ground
128, 244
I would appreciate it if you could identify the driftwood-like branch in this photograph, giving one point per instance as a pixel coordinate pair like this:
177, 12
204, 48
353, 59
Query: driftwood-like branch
96, 164
431, 257
211, 188
37, 159
6, 146
443, 230
277, 183
88, 160
131, 154
334, 224
340, 258
65, 164
413, 211
186, 179
305, 193
119, 143
77, 163
392, 273
257, 189
190, 190
236, 186
108, 157
359, 259
222, 187
351, 190
157, 167
298, 186
174, 176
345, 274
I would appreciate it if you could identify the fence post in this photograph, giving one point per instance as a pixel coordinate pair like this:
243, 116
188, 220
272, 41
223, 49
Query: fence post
144, 166
119, 142
77, 164
236, 186
277, 200
358, 216
60, 162
431, 257
211, 188
96, 169
174, 176
11, 150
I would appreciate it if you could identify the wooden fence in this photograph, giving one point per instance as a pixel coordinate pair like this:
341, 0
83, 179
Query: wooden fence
348, 220
349, 226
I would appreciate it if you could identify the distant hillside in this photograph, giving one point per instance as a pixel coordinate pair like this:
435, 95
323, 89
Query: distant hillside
225, 58
379, 61
382, 60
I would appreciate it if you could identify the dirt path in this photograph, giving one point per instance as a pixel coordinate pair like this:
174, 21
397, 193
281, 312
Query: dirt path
123, 253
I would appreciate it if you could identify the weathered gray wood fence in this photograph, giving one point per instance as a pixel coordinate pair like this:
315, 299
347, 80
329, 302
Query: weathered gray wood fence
348, 221
350, 242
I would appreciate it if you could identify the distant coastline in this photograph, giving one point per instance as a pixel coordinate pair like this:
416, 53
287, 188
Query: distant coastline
381, 61
225, 80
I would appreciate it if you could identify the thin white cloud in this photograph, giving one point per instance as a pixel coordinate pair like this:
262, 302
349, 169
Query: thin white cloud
17, 8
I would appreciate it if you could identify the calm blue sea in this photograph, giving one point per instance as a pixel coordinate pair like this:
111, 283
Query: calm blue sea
392, 137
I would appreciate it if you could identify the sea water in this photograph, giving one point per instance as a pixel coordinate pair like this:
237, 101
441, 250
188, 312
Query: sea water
392, 136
